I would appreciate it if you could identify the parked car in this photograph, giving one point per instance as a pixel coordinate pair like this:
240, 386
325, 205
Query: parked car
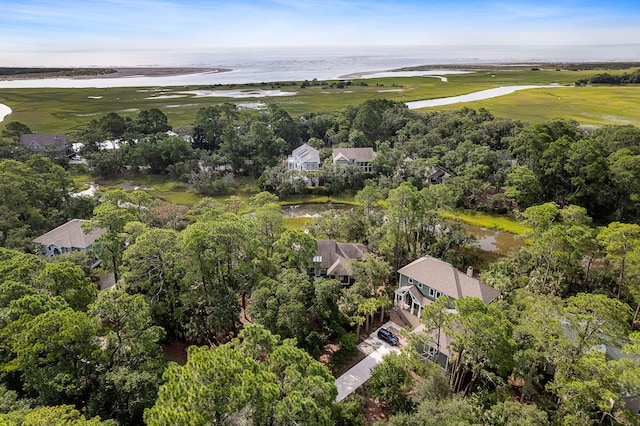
387, 336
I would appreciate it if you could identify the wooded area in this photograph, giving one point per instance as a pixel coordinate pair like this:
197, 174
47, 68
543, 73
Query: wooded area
227, 276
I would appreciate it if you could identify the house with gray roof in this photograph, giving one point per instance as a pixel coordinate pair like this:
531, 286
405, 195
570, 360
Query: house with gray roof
303, 162
362, 157
304, 158
333, 260
68, 237
52, 145
425, 280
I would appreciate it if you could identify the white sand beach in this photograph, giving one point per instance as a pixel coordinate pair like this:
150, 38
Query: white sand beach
475, 96
4, 111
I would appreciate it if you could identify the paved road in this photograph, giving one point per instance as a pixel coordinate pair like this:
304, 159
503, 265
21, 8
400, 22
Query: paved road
376, 350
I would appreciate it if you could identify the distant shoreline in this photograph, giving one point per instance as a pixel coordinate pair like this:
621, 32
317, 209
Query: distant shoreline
104, 73
107, 73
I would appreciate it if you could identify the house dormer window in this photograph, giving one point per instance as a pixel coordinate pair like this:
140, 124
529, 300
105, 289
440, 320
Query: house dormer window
410, 280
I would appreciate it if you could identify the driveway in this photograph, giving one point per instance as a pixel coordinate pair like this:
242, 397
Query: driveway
376, 350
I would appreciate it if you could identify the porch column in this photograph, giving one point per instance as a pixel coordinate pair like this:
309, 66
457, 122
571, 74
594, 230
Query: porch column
419, 310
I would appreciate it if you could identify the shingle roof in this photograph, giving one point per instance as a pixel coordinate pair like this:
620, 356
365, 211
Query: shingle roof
359, 155
446, 279
70, 235
336, 256
39, 141
306, 154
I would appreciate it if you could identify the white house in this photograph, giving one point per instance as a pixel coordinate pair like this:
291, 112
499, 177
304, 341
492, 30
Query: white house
304, 158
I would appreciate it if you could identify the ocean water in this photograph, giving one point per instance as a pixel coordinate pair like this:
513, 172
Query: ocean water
286, 64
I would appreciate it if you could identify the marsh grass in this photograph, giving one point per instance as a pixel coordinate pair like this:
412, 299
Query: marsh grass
297, 223
318, 199
69, 110
594, 105
490, 221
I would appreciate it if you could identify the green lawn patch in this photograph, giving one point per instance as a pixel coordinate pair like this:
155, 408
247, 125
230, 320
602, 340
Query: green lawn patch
487, 220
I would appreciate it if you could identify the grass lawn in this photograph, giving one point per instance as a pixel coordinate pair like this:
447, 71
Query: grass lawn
69, 110
490, 221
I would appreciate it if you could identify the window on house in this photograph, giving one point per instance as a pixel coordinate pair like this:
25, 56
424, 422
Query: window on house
432, 292
410, 280
420, 286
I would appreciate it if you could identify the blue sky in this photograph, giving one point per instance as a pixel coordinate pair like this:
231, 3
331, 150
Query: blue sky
35, 31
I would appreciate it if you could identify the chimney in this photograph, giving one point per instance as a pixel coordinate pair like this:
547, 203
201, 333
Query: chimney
470, 271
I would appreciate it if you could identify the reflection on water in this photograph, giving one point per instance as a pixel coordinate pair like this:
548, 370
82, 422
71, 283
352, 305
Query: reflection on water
311, 210
493, 239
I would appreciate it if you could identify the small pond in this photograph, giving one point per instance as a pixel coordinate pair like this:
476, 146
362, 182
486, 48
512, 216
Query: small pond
311, 210
492, 240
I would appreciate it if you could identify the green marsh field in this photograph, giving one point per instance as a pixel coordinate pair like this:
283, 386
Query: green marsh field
68, 110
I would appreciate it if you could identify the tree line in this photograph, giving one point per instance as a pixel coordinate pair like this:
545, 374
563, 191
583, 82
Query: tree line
606, 78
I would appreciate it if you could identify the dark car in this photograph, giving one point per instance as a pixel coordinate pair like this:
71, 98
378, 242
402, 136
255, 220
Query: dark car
387, 336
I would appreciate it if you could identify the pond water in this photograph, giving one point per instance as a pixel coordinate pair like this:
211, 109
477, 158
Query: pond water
311, 210
492, 240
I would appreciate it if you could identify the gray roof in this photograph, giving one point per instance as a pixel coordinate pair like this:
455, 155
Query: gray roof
70, 235
446, 279
336, 257
306, 154
358, 155
37, 141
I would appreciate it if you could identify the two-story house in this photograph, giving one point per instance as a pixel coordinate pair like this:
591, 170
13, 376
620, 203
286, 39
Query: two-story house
304, 158
428, 278
425, 280
362, 157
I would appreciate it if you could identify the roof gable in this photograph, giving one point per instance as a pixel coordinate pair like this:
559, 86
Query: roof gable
336, 257
70, 235
37, 141
446, 279
306, 154
358, 155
